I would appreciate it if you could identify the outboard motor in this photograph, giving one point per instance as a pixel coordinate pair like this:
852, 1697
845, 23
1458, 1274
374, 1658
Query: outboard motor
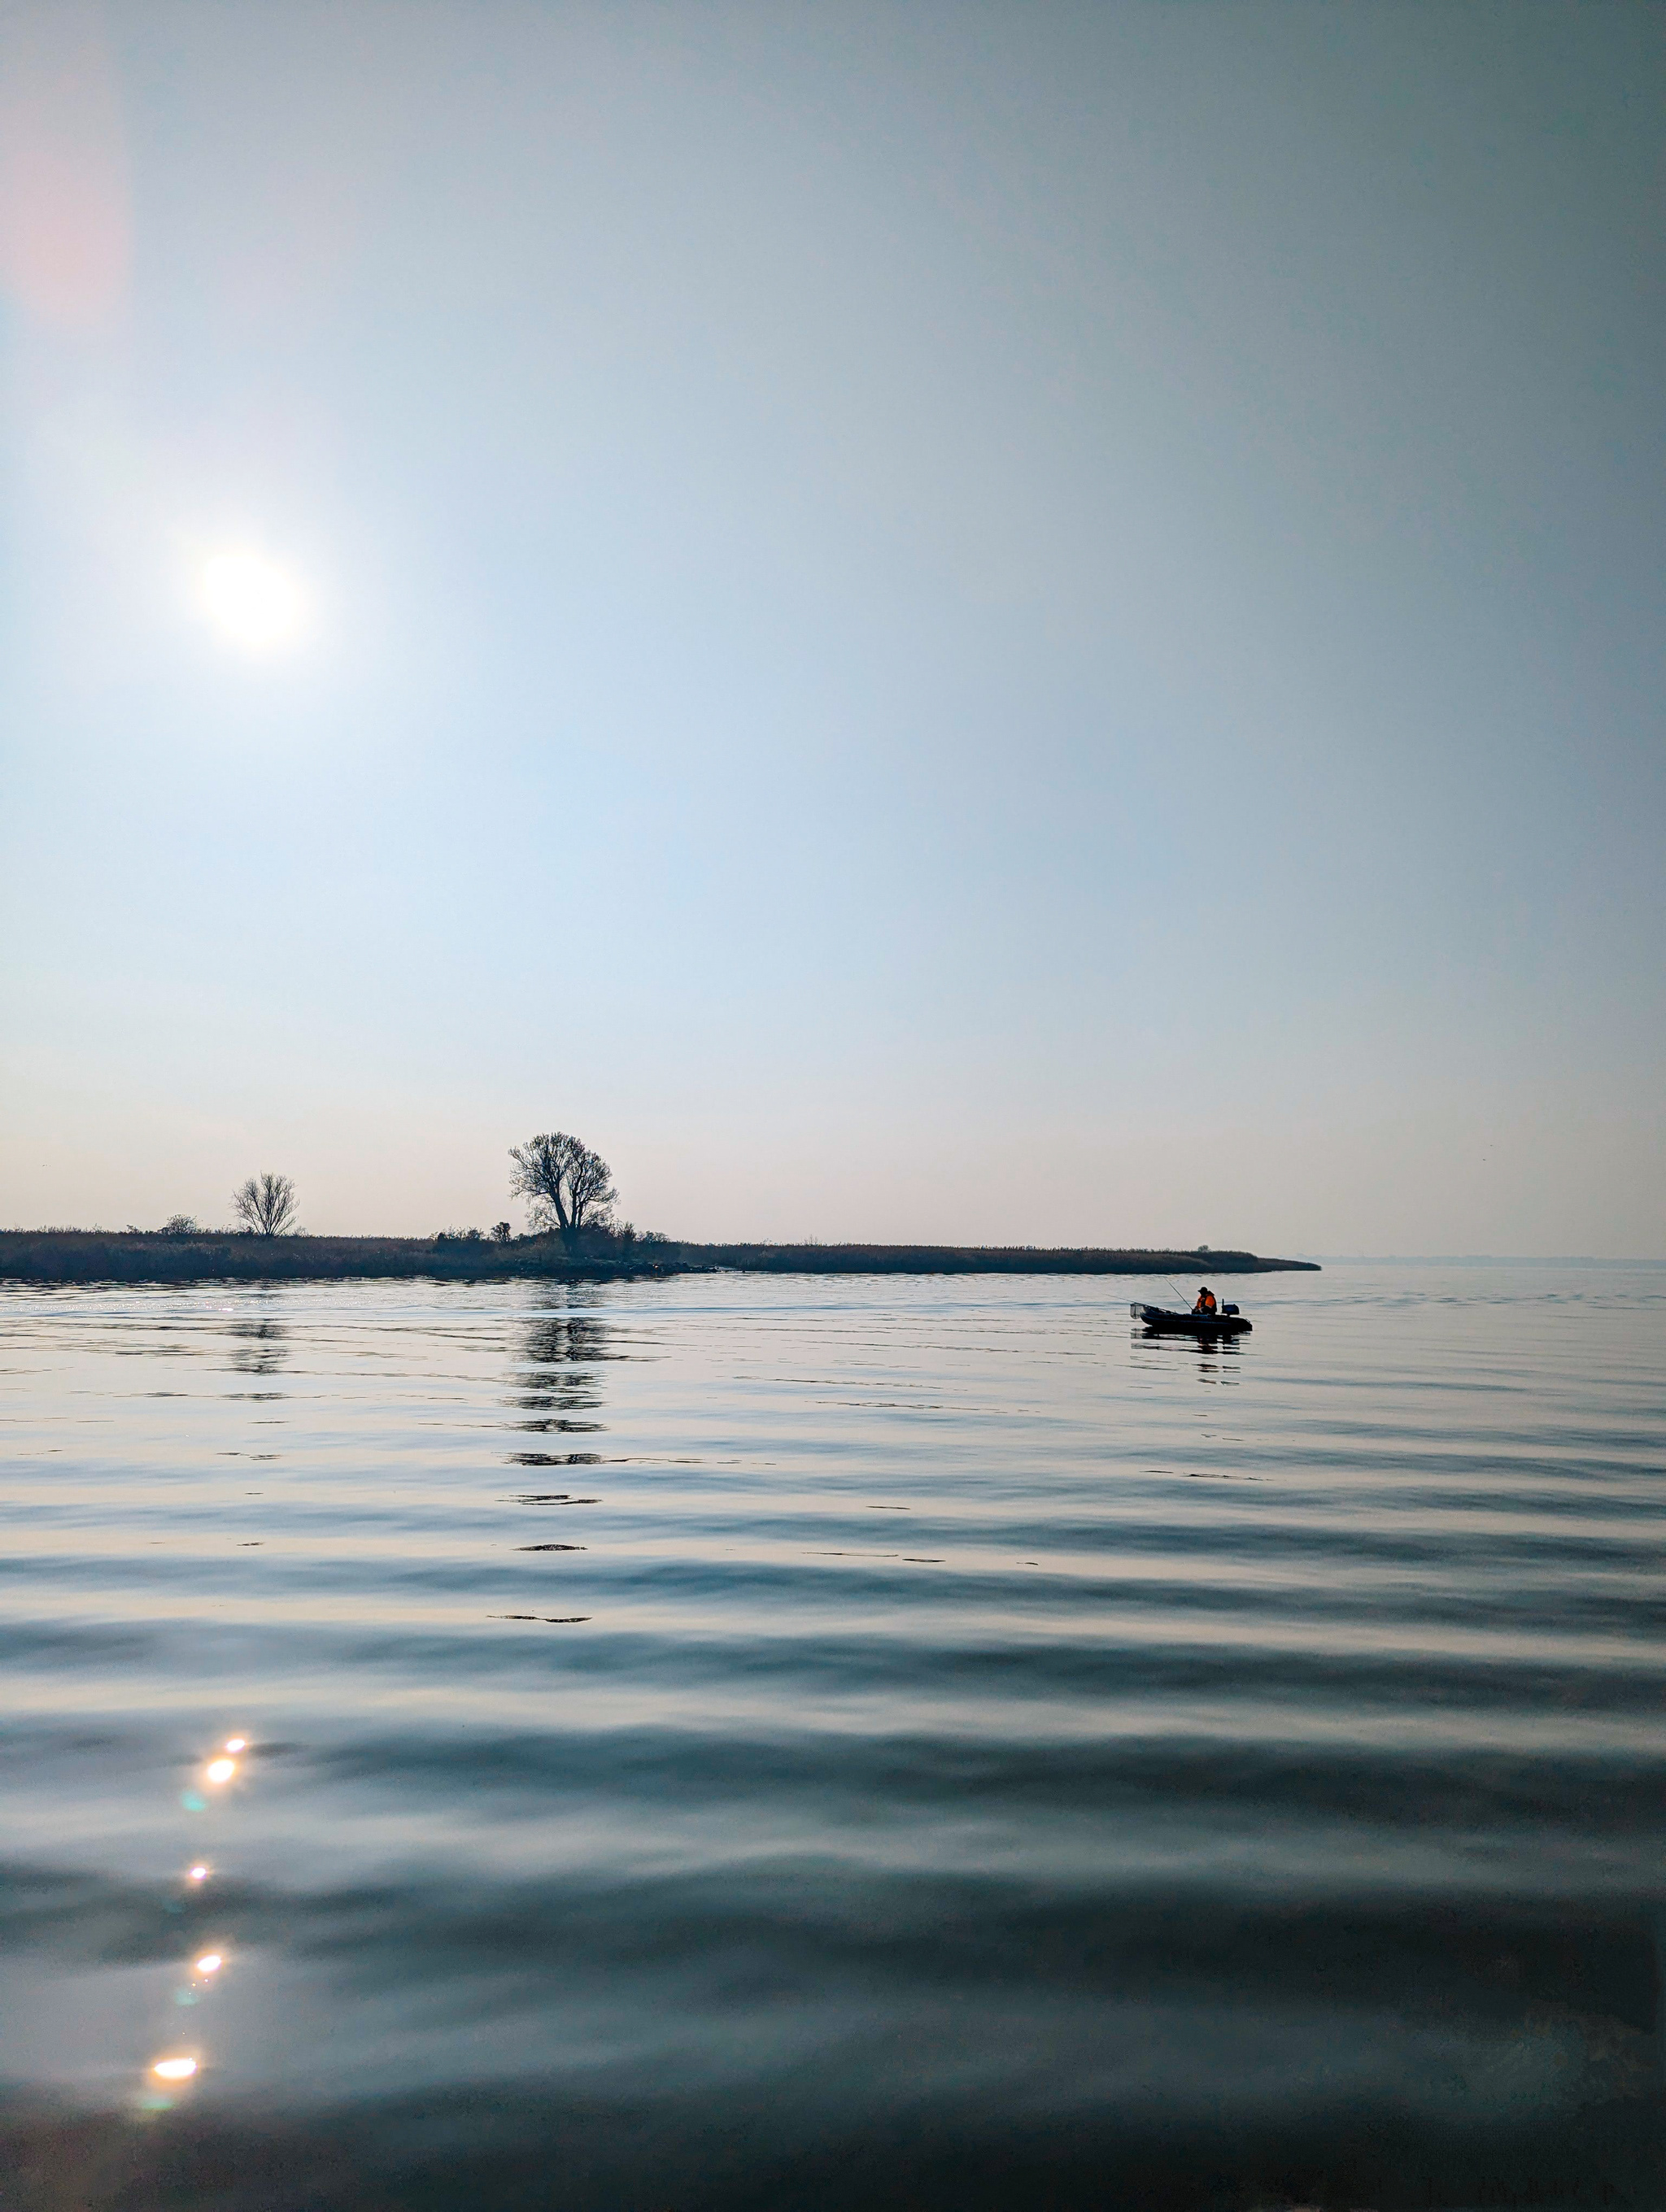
1228, 1309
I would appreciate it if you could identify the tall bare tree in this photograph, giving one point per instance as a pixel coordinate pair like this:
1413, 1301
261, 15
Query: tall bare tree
266, 1204
570, 1187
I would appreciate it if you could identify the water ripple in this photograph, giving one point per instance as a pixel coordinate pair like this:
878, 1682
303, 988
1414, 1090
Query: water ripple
979, 1754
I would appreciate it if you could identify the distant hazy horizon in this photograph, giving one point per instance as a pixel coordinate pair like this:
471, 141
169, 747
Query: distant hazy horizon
974, 624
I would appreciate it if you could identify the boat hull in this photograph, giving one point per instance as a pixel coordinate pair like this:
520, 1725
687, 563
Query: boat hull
1159, 1321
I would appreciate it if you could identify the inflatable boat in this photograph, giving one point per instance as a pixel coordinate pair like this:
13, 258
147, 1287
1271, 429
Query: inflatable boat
1229, 1321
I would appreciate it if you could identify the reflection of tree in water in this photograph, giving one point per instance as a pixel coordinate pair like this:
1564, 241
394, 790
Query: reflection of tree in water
560, 1348
261, 1347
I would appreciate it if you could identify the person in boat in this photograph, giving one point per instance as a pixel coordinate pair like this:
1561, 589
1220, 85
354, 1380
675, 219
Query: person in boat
1206, 1302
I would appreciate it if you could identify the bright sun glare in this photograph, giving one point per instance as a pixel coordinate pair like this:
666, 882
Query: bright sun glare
254, 602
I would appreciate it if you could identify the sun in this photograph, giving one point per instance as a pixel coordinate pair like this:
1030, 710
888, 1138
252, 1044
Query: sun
252, 600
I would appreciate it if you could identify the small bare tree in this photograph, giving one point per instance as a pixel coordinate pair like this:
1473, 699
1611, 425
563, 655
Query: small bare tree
266, 1204
570, 1187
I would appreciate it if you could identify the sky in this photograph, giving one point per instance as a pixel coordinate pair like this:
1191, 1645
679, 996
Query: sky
992, 623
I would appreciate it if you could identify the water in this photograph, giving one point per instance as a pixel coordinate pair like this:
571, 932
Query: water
823, 1742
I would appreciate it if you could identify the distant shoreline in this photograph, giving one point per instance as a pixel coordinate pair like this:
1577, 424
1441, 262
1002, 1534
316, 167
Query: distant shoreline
97, 1257
1481, 1259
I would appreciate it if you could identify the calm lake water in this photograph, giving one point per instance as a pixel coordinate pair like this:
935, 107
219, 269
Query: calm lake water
740, 1742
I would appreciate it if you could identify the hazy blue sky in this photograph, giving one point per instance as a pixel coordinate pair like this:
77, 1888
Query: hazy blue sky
1015, 622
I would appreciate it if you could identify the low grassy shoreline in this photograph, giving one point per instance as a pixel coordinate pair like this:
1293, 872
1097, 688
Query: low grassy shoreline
52, 1256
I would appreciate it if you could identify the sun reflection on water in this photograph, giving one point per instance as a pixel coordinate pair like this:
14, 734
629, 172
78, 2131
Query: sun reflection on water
177, 2069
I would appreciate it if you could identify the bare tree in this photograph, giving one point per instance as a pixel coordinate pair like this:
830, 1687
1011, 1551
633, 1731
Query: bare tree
266, 1204
570, 1187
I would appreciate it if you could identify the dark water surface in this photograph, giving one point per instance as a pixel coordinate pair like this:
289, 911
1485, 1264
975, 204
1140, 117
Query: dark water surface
832, 1742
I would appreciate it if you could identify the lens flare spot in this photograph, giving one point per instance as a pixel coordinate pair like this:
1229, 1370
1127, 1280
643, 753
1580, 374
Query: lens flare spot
173, 2069
237, 1743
